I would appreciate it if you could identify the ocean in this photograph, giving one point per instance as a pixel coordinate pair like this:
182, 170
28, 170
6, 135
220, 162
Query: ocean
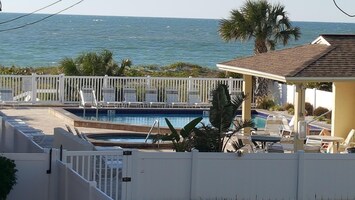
146, 41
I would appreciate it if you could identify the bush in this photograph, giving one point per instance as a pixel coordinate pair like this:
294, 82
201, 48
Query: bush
291, 111
264, 103
7, 176
277, 108
309, 108
287, 106
321, 110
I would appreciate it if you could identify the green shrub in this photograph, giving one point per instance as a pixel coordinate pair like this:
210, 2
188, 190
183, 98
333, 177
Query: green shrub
7, 176
277, 108
287, 106
309, 108
264, 103
291, 111
319, 111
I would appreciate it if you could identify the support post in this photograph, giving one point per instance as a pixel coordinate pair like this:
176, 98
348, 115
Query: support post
246, 106
299, 114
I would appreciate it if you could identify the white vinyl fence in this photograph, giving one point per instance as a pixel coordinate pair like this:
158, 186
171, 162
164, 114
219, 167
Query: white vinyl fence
65, 89
286, 94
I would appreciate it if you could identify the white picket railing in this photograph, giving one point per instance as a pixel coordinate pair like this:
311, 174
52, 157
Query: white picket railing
64, 89
102, 167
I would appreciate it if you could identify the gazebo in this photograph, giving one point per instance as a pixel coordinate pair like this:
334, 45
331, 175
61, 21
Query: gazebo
329, 58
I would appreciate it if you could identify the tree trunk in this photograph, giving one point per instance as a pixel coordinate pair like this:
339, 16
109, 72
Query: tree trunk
261, 84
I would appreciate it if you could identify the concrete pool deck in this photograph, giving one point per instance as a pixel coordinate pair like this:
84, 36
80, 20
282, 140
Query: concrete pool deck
42, 118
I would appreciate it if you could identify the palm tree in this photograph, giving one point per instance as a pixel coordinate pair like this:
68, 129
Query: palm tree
94, 64
267, 24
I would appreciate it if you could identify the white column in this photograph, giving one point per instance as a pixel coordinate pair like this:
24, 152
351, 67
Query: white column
246, 106
299, 114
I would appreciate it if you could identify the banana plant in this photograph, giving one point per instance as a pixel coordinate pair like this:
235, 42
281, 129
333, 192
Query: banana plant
182, 141
222, 117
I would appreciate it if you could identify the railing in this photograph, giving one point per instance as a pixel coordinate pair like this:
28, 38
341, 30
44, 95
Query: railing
102, 167
65, 89
156, 123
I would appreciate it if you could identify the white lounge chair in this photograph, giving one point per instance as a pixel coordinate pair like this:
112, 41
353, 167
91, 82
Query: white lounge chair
88, 98
151, 98
348, 140
130, 97
109, 98
273, 125
7, 97
172, 98
195, 100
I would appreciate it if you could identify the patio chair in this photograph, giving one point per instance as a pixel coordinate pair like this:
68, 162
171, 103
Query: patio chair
88, 98
130, 97
6, 97
172, 98
286, 127
109, 98
195, 100
348, 140
151, 98
273, 125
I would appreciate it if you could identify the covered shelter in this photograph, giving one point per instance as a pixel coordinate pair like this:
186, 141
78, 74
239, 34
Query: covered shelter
329, 58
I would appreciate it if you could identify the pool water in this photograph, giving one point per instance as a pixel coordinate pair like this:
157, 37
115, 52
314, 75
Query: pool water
177, 120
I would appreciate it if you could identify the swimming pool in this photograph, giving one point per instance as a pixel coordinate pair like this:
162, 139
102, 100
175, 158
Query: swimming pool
146, 117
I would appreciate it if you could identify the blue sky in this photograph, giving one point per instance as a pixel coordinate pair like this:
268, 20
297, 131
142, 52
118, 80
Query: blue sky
299, 10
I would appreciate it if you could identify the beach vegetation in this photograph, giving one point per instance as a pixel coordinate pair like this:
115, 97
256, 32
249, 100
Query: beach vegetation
94, 64
265, 23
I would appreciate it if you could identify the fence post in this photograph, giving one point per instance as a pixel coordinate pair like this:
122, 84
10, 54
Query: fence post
105, 81
148, 81
61, 88
194, 169
230, 84
189, 85
34, 88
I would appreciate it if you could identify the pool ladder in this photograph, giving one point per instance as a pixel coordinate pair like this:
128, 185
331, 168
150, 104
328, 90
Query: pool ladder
156, 123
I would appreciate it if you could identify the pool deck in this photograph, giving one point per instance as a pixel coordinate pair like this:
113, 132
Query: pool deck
45, 119
42, 118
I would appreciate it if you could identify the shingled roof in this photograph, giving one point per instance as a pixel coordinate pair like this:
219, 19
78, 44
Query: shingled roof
329, 58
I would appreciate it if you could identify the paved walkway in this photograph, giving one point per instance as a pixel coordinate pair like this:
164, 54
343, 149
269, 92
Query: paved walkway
40, 118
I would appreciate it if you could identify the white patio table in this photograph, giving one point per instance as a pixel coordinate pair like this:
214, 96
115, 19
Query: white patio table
326, 138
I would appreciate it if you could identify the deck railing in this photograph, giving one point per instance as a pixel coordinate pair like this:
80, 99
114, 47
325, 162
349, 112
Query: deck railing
65, 89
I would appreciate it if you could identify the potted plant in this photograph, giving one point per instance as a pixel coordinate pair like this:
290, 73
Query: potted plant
7, 176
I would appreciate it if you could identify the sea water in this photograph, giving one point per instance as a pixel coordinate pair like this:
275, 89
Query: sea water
145, 41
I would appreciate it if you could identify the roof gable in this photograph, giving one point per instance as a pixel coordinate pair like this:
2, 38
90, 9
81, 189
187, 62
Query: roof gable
329, 58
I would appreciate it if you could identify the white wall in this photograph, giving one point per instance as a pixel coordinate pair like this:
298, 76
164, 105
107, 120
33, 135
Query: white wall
32, 180
317, 98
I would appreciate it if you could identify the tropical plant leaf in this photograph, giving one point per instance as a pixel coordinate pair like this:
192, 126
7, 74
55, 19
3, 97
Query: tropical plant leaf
185, 132
174, 134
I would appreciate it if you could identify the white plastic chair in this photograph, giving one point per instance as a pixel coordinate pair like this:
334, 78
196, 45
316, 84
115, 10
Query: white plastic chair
195, 100
172, 98
7, 97
130, 97
109, 97
88, 98
151, 98
273, 125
